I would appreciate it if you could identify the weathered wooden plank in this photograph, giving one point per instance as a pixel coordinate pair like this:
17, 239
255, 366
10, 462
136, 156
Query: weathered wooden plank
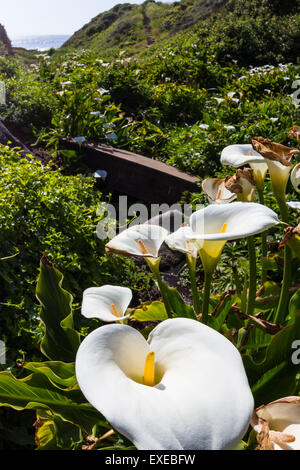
135, 175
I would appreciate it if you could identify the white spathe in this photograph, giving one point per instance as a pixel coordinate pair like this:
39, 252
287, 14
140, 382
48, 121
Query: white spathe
139, 240
201, 398
295, 177
294, 205
108, 303
242, 219
242, 154
177, 241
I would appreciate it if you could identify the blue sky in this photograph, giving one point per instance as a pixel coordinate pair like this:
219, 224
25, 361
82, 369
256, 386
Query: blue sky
31, 17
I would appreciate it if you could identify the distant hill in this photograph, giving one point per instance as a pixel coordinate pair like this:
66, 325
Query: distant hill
249, 31
137, 27
5, 44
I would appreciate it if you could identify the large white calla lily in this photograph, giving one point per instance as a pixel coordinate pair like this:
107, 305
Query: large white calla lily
178, 241
278, 424
108, 303
295, 177
242, 154
139, 240
184, 388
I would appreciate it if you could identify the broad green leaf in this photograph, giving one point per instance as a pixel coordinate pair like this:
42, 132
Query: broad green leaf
294, 306
152, 311
217, 322
60, 374
36, 392
178, 306
60, 341
53, 433
276, 375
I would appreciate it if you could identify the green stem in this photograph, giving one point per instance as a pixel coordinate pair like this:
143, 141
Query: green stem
282, 308
206, 296
264, 248
252, 276
281, 311
191, 262
154, 267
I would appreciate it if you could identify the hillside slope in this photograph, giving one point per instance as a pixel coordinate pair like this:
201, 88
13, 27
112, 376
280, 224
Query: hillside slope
251, 32
136, 27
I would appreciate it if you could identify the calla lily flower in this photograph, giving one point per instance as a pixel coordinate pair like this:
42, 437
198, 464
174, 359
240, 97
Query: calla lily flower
278, 159
216, 191
178, 242
242, 154
108, 303
294, 205
184, 388
139, 240
278, 424
295, 177
212, 226
242, 184
292, 238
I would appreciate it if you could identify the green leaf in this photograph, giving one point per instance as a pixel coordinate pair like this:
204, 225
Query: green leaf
36, 392
276, 375
178, 306
217, 322
60, 341
60, 374
152, 311
294, 306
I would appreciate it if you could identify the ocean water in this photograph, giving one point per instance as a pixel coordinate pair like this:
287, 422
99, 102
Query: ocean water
40, 43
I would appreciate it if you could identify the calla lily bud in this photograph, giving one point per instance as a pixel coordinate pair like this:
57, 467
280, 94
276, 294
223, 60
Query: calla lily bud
295, 177
216, 191
278, 424
278, 159
242, 184
185, 388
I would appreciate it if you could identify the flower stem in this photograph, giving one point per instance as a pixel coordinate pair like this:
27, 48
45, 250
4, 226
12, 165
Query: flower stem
191, 262
206, 296
154, 267
281, 311
264, 248
252, 276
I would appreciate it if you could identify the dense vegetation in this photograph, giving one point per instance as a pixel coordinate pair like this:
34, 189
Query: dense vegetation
213, 74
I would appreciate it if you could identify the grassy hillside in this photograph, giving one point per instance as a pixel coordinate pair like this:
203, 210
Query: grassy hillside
252, 32
136, 27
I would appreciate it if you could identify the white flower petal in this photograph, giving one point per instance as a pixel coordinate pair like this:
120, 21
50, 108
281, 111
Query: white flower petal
240, 154
98, 302
177, 241
295, 177
216, 191
294, 205
202, 399
134, 240
242, 219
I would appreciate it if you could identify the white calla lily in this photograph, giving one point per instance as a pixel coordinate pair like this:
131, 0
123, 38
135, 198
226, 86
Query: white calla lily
295, 177
278, 424
216, 191
108, 303
177, 241
212, 226
139, 240
294, 205
242, 154
184, 388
